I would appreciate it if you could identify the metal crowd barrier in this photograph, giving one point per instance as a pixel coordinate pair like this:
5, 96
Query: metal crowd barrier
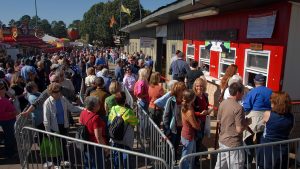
268, 155
21, 122
153, 140
63, 152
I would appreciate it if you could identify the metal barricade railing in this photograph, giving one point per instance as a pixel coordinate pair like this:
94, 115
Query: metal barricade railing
153, 140
21, 122
268, 155
62, 151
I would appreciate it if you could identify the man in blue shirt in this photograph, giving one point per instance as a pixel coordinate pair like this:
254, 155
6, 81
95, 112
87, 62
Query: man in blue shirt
179, 68
255, 104
119, 72
27, 69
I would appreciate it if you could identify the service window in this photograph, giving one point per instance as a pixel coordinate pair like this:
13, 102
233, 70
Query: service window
204, 58
190, 53
226, 59
256, 62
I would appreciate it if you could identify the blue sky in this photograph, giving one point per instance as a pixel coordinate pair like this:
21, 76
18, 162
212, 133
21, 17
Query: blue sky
65, 10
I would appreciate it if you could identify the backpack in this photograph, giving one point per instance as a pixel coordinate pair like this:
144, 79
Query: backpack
116, 128
82, 134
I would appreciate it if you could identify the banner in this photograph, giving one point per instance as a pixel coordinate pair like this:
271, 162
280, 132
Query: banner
218, 46
261, 26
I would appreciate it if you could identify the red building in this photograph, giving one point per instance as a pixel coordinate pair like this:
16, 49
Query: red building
260, 37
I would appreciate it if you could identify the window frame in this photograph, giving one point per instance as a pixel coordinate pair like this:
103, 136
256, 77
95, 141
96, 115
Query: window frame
186, 53
202, 60
225, 62
266, 53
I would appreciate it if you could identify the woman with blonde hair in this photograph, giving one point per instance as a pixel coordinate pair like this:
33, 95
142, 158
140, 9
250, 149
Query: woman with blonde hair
141, 89
201, 111
278, 125
189, 125
155, 91
110, 101
172, 123
89, 80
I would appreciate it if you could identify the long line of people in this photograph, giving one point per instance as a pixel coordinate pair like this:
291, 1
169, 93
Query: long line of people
181, 112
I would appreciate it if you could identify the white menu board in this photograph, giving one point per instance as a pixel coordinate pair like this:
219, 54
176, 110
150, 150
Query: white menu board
261, 26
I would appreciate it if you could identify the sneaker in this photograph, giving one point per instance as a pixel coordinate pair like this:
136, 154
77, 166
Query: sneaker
47, 164
57, 167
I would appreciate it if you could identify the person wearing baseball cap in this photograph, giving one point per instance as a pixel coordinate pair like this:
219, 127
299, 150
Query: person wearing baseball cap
255, 104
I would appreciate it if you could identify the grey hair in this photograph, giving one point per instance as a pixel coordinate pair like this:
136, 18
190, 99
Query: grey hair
90, 102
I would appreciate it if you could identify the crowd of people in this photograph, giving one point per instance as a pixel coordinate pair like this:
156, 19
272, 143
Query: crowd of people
46, 87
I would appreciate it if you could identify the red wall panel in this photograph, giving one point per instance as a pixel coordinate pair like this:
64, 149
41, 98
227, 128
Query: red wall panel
214, 64
239, 20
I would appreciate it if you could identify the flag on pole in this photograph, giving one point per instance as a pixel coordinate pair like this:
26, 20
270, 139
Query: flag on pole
125, 10
112, 21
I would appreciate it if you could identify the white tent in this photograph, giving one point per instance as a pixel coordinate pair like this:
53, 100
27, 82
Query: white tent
47, 38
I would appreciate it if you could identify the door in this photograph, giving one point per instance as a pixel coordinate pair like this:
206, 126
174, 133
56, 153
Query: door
214, 64
160, 63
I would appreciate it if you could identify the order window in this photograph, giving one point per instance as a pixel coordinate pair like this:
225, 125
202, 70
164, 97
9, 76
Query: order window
226, 59
256, 62
204, 58
190, 51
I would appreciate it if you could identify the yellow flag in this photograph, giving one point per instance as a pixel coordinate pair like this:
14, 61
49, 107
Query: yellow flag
125, 10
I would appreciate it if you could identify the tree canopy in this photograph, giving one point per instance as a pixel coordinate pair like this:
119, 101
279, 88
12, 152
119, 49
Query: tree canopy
96, 20
95, 25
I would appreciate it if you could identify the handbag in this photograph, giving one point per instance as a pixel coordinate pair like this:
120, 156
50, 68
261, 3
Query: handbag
207, 126
51, 147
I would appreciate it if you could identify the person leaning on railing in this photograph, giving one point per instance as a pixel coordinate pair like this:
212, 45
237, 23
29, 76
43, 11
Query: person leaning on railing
278, 125
56, 116
96, 129
67, 93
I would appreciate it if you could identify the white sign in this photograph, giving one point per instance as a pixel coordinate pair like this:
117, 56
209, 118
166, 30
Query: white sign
261, 26
146, 42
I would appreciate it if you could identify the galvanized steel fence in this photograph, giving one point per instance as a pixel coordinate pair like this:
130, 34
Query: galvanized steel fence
62, 151
153, 140
281, 154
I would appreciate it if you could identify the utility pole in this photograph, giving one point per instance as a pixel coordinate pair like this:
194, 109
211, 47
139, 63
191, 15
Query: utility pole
36, 18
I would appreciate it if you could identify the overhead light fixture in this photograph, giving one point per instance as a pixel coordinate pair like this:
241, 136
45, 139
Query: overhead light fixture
199, 13
152, 24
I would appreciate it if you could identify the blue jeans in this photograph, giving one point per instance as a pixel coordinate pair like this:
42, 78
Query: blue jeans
124, 156
92, 158
9, 137
189, 147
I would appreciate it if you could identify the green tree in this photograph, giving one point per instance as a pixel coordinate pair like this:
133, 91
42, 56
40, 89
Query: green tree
25, 18
11, 23
34, 19
59, 29
45, 26
96, 20
75, 24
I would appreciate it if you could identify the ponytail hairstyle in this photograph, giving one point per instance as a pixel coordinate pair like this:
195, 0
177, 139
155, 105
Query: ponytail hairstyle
188, 96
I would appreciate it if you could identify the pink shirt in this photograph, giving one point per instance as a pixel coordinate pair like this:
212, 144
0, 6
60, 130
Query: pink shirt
7, 110
141, 88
